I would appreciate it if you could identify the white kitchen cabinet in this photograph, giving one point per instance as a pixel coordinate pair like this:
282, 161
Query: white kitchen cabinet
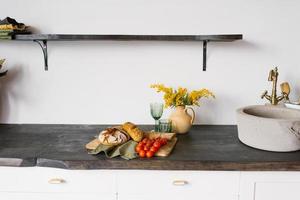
54, 196
177, 185
35, 183
270, 186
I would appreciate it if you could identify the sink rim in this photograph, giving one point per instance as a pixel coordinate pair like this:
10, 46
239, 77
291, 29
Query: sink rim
242, 112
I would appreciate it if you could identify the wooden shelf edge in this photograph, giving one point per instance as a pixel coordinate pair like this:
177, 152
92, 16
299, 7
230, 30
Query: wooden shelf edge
77, 37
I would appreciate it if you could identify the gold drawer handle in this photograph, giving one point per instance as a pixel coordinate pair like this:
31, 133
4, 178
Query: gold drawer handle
56, 181
180, 182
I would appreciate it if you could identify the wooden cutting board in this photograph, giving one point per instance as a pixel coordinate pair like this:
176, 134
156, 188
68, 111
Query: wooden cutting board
165, 150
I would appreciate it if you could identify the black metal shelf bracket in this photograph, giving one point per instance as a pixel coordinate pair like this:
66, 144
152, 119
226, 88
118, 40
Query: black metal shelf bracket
204, 54
43, 45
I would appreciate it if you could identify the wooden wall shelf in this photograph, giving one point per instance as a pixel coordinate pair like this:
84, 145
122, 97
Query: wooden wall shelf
42, 40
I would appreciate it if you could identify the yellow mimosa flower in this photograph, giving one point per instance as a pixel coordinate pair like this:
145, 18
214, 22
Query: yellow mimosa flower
181, 97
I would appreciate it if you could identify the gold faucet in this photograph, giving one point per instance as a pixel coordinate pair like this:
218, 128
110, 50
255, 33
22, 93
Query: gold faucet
273, 98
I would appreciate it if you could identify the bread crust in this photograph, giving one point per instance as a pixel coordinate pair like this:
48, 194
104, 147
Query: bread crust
135, 133
113, 136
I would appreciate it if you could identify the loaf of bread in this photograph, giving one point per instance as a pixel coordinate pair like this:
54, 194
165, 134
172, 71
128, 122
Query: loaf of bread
113, 136
135, 133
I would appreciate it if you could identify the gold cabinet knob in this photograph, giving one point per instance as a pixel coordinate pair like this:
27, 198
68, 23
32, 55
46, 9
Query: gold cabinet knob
56, 181
180, 182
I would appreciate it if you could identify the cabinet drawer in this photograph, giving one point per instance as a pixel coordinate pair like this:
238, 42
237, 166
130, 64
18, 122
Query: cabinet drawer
179, 184
53, 196
36, 179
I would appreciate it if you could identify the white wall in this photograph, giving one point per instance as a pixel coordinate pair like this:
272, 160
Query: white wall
108, 81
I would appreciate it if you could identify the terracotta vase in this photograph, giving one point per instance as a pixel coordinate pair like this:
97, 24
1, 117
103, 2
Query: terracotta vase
182, 121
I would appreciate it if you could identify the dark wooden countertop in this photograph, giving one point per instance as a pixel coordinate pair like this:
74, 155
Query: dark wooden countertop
206, 147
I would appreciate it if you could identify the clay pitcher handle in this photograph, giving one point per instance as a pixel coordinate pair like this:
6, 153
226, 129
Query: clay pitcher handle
193, 113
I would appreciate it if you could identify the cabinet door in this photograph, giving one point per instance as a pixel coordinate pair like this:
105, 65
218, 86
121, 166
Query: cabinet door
177, 185
270, 185
49, 196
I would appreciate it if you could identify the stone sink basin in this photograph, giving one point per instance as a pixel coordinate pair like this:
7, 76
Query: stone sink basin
271, 128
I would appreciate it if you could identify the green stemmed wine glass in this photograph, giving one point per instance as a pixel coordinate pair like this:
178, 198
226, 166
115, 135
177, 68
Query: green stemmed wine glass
156, 112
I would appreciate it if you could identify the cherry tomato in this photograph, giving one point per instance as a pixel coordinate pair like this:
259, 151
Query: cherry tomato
149, 154
145, 140
154, 149
157, 144
152, 141
142, 153
163, 141
138, 148
148, 144
140, 144
146, 148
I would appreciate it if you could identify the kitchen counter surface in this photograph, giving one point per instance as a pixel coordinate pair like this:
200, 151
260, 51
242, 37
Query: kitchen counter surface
206, 147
